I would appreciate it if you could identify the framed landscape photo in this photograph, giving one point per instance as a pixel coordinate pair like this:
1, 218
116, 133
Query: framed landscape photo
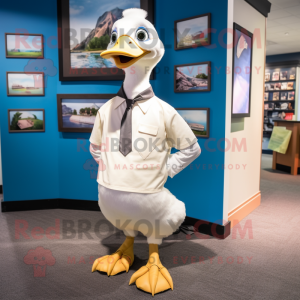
197, 119
26, 120
85, 28
25, 84
194, 77
242, 72
20, 45
192, 32
77, 112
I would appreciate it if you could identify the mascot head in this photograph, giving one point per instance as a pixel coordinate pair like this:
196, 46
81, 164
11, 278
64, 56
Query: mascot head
134, 41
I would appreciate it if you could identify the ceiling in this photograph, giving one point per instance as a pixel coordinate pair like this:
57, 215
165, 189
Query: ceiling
283, 27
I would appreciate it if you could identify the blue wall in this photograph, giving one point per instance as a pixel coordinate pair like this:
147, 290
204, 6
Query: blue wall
200, 189
283, 57
52, 164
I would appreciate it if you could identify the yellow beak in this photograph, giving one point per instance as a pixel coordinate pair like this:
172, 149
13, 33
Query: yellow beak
125, 52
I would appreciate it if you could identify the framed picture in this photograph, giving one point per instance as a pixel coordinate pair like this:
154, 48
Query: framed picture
242, 66
192, 32
19, 45
283, 96
283, 85
291, 95
267, 87
290, 85
276, 96
77, 112
84, 30
266, 97
275, 76
283, 75
25, 83
197, 119
26, 120
194, 77
272, 86
278, 86
267, 77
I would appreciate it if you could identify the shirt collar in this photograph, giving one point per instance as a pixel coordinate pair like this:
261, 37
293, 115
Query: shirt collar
143, 98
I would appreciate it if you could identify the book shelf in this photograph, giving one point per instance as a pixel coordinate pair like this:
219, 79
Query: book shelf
280, 97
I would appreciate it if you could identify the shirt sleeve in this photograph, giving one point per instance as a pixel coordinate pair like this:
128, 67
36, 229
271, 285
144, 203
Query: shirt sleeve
179, 133
96, 136
181, 159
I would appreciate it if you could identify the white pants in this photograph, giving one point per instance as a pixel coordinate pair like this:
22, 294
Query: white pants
155, 215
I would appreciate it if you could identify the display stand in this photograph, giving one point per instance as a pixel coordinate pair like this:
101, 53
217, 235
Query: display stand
281, 96
291, 159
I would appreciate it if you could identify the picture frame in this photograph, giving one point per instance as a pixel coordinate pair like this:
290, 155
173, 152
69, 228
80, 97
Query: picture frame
283, 85
283, 75
277, 86
266, 96
83, 119
283, 96
32, 119
192, 116
188, 72
76, 61
200, 32
241, 77
291, 96
276, 96
25, 83
275, 76
267, 77
14, 49
290, 85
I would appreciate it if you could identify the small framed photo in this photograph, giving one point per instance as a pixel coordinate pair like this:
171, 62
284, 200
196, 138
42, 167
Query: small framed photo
25, 84
267, 77
291, 95
192, 32
283, 96
290, 85
277, 86
275, 76
77, 112
272, 86
267, 87
197, 119
266, 97
283, 75
192, 77
20, 45
284, 85
275, 96
26, 120
292, 75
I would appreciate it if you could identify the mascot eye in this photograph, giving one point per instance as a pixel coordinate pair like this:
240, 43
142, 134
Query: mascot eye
142, 34
113, 37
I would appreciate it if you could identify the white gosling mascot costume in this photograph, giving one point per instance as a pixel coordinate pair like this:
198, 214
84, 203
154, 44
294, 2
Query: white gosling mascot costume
132, 175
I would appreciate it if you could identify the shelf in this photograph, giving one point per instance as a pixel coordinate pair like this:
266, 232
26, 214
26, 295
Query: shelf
276, 81
279, 91
272, 101
280, 110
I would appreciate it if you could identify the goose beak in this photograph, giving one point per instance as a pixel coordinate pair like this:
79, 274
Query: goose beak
125, 52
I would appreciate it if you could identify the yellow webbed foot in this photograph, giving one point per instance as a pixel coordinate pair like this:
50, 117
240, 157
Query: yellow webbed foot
118, 262
154, 277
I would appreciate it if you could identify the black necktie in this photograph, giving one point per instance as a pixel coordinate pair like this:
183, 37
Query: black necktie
125, 145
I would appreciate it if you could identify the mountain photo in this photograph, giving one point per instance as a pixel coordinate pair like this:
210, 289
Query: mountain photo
90, 29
